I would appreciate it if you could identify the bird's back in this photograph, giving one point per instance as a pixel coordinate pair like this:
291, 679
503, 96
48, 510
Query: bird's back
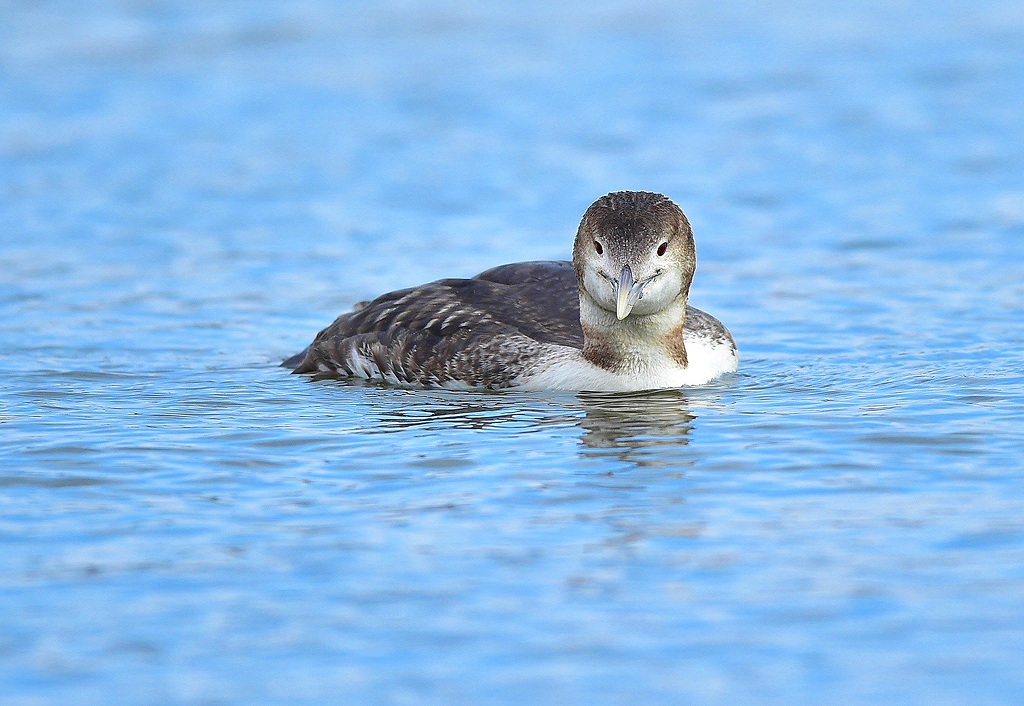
487, 331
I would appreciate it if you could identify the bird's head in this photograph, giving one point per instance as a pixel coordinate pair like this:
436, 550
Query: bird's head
634, 253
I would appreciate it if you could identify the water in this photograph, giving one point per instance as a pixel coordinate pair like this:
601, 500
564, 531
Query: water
189, 191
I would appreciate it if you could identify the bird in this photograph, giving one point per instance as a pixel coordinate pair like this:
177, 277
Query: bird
615, 319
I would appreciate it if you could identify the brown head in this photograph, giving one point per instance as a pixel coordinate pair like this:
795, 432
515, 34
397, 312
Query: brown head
634, 253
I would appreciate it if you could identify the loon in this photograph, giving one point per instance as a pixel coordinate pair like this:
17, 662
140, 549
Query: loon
615, 319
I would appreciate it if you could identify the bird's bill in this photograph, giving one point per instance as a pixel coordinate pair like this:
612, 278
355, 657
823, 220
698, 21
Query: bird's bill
627, 293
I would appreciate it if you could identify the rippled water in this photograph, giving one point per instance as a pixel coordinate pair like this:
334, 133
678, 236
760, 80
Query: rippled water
189, 191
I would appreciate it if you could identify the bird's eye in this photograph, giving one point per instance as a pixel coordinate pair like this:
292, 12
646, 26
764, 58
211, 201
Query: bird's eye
597, 246
662, 248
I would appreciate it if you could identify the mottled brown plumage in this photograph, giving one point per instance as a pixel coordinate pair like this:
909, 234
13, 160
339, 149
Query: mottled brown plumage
498, 317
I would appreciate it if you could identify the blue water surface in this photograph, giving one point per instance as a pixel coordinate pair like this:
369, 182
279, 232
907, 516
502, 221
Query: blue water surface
190, 190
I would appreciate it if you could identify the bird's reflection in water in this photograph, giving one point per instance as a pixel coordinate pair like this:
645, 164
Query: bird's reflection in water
637, 426
434, 409
640, 428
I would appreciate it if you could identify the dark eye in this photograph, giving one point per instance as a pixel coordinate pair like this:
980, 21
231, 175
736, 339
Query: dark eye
597, 246
662, 248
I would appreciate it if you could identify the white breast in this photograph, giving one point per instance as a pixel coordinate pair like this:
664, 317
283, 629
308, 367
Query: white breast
566, 369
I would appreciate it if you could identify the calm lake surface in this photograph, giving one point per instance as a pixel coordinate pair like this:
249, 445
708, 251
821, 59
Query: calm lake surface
190, 190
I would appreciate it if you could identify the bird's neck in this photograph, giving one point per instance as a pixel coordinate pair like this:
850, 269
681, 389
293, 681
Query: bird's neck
635, 343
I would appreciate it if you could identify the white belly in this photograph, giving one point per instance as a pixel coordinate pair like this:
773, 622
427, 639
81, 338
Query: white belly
569, 370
